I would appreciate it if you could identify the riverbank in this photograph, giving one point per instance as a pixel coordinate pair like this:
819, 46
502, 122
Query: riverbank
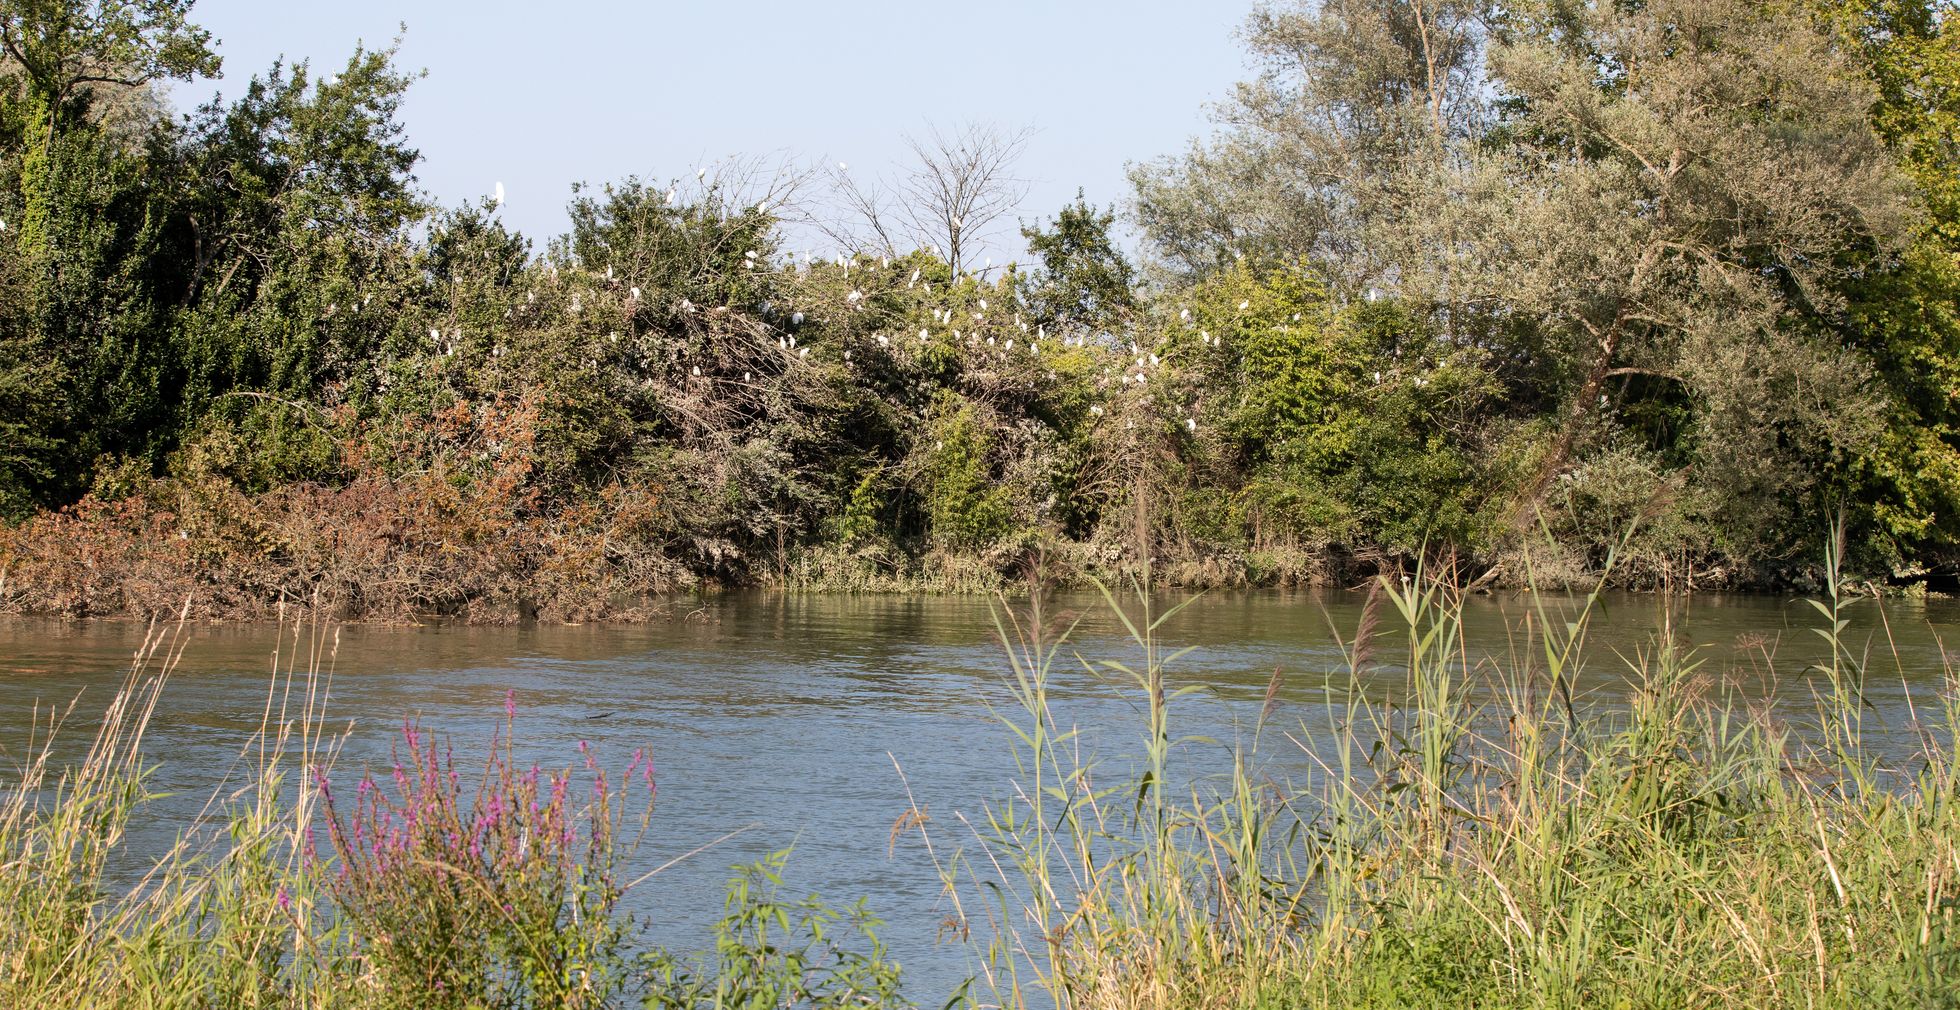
424, 548
1480, 836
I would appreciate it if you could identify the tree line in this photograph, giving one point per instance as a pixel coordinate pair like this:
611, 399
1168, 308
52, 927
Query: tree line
1512, 286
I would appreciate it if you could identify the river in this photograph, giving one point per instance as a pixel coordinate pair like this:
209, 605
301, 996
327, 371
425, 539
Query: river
794, 713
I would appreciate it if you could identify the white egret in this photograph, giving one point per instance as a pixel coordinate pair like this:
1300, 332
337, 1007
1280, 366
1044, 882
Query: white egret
499, 195
1244, 306
636, 294
673, 197
796, 319
697, 371
1190, 425
922, 336
803, 353
1184, 315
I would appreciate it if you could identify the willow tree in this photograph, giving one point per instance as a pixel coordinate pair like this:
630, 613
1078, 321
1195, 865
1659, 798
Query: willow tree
1628, 204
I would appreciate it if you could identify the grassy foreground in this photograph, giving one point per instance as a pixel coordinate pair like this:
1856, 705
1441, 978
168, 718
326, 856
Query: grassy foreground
1485, 839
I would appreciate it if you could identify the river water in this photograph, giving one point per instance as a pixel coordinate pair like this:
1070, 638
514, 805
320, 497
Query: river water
795, 713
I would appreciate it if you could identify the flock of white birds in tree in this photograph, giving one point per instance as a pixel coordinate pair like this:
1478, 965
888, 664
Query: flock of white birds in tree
1135, 371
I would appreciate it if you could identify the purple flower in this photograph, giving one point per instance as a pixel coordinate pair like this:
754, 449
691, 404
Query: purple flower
510, 703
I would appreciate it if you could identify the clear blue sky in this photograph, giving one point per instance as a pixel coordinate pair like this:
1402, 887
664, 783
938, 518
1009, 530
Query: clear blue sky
539, 96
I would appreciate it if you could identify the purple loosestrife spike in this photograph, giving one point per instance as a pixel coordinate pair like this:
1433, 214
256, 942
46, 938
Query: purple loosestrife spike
510, 703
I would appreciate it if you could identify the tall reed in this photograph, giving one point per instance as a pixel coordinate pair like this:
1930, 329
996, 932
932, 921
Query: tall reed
1487, 837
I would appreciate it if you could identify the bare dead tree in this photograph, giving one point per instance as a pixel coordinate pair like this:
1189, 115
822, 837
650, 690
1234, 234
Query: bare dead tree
960, 185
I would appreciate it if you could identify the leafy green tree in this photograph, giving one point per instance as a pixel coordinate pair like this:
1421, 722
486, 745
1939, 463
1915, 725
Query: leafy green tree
1085, 280
65, 50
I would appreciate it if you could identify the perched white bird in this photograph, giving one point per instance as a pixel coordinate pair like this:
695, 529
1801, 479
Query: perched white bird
697, 371
842, 167
609, 271
883, 341
749, 255
983, 301
804, 353
1097, 411
673, 197
792, 341
435, 334
499, 195
636, 294
922, 336
701, 173
1244, 306
748, 376
796, 319
782, 344
1190, 425
1184, 315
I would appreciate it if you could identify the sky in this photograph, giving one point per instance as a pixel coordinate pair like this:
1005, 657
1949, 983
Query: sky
538, 96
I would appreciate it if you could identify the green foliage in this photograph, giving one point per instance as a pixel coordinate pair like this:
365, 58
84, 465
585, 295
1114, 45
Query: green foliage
1445, 276
771, 951
1085, 280
966, 506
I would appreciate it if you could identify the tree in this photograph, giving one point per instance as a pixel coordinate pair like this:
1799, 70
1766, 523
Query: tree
1085, 280
65, 49
1621, 203
957, 187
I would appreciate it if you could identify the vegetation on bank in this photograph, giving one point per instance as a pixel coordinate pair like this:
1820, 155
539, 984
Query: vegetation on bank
1450, 275
1482, 838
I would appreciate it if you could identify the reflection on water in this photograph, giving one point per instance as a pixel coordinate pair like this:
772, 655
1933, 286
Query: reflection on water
793, 713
